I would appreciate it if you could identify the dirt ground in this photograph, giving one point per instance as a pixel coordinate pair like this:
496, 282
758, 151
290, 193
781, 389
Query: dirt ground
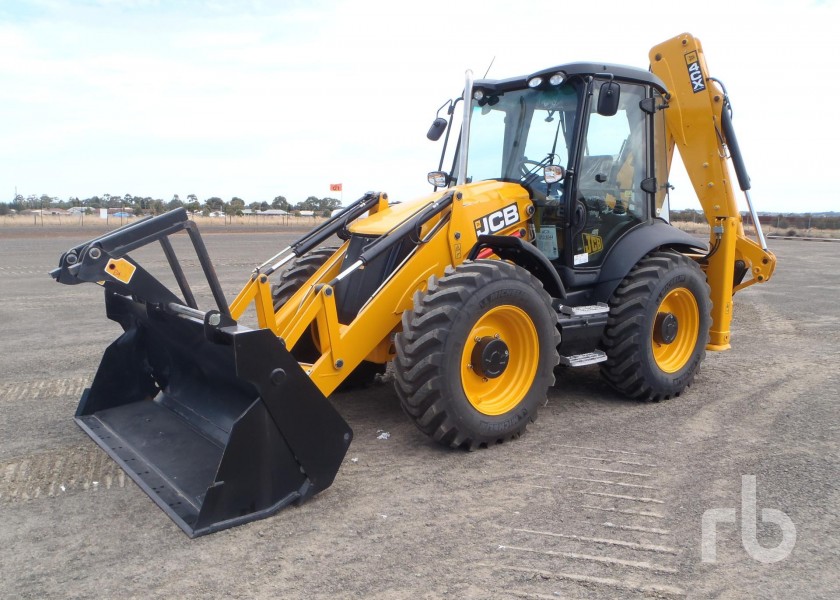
602, 498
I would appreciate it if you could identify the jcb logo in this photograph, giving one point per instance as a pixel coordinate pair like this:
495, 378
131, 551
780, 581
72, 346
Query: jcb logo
497, 220
695, 74
592, 244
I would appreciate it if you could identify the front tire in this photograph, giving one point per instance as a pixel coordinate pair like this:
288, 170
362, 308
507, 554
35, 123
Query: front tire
658, 328
476, 354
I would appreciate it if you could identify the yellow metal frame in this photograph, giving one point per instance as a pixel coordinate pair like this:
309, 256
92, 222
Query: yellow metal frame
693, 120
312, 310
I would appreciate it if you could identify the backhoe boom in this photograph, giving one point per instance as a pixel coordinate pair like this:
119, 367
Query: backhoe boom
695, 118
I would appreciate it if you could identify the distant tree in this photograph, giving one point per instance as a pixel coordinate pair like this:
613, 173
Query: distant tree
176, 203
178, 198
112, 201
311, 203
191, 198
319, 205
264, 206
237, 203
214, 204
5, 209
157, 206
192, 206
281, 203
254, 206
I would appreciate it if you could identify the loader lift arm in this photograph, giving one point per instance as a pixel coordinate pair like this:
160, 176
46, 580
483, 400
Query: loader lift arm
699, 124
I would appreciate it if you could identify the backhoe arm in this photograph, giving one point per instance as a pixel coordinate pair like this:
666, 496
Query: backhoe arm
698, 124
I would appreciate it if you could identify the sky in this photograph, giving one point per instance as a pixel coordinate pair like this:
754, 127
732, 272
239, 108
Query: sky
258, 99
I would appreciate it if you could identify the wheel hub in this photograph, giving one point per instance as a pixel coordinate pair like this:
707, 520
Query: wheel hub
665, 328
490, 357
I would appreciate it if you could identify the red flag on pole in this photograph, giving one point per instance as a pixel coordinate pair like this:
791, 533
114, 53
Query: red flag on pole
335, 187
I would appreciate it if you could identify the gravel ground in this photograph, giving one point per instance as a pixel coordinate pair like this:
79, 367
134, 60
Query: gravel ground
602, 498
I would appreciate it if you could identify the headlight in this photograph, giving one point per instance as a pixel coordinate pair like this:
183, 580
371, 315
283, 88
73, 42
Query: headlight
535, 82
557, 79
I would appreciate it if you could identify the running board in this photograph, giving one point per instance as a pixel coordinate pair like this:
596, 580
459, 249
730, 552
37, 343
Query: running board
581, 360
584, 311
581, 331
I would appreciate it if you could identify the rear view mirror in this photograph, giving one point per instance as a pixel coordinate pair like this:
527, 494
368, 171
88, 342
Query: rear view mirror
608, 99
439, 179
437, 129
553, 173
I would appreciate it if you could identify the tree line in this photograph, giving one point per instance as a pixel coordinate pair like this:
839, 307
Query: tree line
781, 221
147, 205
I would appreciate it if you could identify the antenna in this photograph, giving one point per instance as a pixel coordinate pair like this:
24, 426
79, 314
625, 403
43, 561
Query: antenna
488, 68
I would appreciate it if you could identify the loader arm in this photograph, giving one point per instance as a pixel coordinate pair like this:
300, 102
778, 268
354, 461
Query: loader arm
698, 124
442, 229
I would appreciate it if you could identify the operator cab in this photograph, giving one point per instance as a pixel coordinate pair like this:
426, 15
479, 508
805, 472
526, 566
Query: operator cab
587, 142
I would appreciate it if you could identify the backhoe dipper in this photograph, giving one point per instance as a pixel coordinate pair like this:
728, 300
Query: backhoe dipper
546, 243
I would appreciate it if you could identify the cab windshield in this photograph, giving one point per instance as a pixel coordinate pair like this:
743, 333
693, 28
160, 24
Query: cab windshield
513, 135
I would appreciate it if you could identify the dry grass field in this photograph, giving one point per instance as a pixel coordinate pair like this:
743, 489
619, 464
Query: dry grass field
50, 223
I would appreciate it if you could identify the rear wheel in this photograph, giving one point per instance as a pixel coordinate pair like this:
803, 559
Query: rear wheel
656, 335
296, 274
476, 354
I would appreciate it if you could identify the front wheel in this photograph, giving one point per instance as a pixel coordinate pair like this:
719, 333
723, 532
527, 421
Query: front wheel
656, 335
476, 354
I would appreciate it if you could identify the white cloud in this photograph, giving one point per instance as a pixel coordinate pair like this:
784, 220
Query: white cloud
242, 98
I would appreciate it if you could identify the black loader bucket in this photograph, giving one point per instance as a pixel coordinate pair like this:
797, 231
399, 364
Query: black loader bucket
216, 422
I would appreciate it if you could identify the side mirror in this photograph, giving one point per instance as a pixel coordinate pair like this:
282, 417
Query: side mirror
439, 179
608, 99
437, 129
553, 173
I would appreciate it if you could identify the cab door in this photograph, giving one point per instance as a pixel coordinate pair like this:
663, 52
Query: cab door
611, 168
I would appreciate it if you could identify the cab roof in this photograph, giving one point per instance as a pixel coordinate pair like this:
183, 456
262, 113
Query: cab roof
620, 72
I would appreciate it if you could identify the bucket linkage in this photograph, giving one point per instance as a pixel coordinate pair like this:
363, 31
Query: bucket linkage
216, 422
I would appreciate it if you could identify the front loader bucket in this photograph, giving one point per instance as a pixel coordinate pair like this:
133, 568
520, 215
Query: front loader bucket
216, 422
218, 432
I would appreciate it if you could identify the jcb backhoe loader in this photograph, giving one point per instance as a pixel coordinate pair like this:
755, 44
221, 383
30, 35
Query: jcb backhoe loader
545, 243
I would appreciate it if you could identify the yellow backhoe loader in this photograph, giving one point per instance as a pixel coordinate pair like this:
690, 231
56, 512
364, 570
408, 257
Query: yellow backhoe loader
544, 245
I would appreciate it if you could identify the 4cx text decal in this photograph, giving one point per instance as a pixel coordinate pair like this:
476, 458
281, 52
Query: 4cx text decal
497, 220
695, 74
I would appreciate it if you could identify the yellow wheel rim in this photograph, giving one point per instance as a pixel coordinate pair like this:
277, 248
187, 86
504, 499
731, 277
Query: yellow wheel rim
671, 357
496, 395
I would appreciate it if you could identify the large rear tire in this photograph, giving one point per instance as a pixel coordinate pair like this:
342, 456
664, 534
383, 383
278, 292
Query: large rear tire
476, 355
658, 328
297, 273
290, 280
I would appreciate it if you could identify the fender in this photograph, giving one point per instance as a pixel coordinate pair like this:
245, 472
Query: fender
525, 255
638, 242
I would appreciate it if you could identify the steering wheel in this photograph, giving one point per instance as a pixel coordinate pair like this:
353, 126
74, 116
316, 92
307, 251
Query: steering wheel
528, 167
